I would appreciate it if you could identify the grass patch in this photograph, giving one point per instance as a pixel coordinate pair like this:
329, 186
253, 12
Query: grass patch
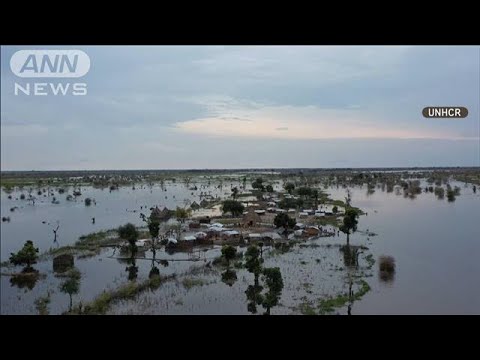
306, 309
189, 283
370, 260
127, 291
364, 288
41, 305
329, 304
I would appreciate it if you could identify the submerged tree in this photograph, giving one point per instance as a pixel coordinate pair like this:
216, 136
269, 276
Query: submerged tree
253, 262
269, 188
350, 222
273, 280
71, 286
254, 297
229, 252
27, 256
129, 232
234, 192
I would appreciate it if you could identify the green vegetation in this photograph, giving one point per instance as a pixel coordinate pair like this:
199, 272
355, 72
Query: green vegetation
182, 214
350, 222
274, 282
228, 253
41, 304
269, 188
289, 187
253, 262
258, 184
232, 206
306, 309
27, 256
189, 283
129, 232
128, 291
285, 221
234, 192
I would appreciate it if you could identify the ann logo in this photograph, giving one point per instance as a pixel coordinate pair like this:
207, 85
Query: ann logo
50, 63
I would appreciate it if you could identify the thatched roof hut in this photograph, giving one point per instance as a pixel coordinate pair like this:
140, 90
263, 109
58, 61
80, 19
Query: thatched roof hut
194, 206
251, 218
158, 214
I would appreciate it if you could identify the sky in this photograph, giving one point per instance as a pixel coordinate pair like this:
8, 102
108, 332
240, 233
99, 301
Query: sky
198, 107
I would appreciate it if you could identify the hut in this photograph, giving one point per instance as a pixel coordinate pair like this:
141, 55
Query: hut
158, 214
312, 231
251, 218
194, 206
194, 225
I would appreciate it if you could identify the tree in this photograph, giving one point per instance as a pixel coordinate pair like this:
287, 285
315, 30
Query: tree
181, 214
290, 203
269, 188
129, 232
233, 206
304, 191
154, 229
258, 184
289, 187
285, 221
234, 193
88, 202
229, 252
315, 195
335, 209
253, 262
71, 286
244, 181
273, 280
27, 256
350, 221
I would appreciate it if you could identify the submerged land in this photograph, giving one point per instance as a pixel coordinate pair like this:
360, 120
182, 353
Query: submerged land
263, 241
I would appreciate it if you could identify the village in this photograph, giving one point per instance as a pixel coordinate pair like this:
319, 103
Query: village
249, 218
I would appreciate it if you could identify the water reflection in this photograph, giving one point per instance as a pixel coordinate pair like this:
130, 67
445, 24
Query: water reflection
386, 268
71, 286
229, 277
26, 279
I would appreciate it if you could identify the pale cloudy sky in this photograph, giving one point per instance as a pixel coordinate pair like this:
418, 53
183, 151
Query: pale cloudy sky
248, 106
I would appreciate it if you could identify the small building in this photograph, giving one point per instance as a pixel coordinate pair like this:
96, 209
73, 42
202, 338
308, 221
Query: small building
292, 211
204, 220
158, 214
312, 231
260, 212
194, 206
303, 214
230, 235
251, 218
194, 225
200, 235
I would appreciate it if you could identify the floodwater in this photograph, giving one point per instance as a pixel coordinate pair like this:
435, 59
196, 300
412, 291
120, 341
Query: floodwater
434, 243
